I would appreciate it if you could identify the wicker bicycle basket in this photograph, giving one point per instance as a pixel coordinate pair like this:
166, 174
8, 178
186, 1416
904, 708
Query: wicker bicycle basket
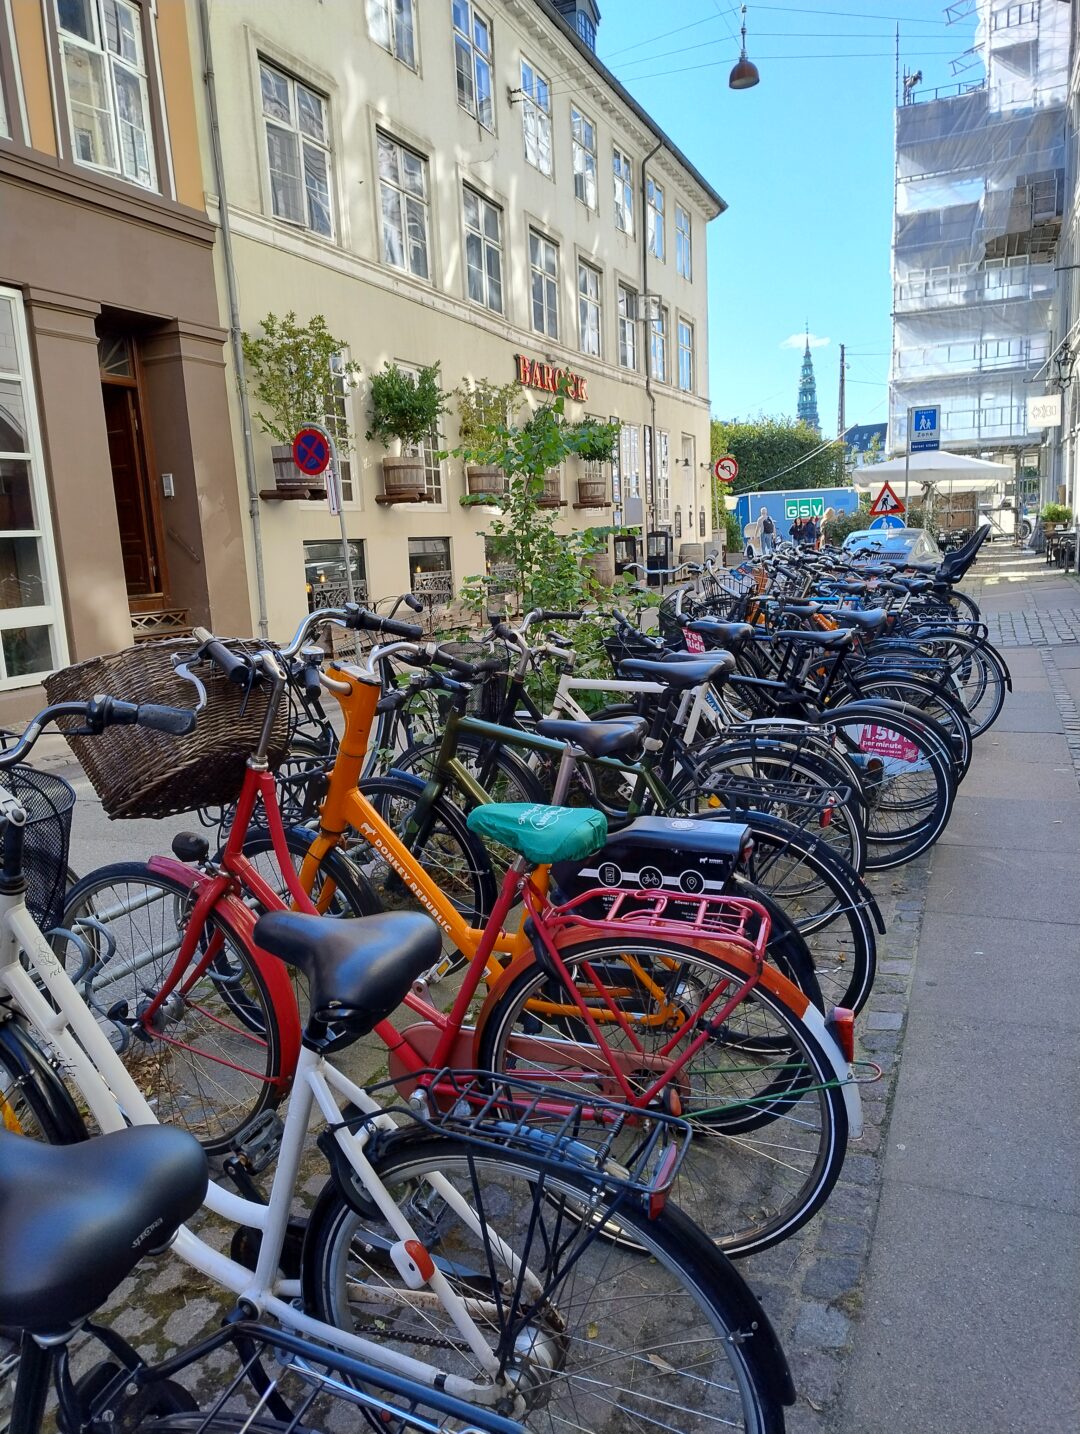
49, 801
140, 773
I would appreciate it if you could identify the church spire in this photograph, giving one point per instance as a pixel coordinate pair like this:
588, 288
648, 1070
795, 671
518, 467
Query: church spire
807, 409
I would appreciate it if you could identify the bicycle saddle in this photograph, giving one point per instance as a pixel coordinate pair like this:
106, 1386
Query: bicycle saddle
75, 1220
829, 641
598, 739
679, 675
871, 621
359, 970
728, 634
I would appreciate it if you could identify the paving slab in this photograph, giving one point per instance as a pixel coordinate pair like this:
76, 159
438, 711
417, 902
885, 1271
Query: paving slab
993, 821
974, 881
969, 1324
1024, 749
999, 776
1030, 712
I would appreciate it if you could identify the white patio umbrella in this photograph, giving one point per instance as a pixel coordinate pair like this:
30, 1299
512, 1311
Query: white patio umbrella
952, 472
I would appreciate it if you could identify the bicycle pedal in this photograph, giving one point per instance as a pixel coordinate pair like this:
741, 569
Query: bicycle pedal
259, 1142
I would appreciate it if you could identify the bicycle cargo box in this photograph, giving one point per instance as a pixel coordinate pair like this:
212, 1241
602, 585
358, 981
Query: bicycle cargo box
666, 854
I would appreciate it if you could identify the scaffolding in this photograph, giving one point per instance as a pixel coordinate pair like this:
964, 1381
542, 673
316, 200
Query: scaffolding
979, 197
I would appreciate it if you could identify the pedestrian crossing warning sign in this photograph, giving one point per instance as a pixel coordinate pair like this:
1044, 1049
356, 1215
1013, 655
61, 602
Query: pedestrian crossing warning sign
886, 503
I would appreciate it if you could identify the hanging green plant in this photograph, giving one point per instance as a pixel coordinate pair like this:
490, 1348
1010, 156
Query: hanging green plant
294, 367
404, 406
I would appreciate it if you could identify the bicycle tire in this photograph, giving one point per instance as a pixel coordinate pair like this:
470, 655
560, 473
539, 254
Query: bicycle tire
447, 847
671, 1300
930, 702
344, 890
773, 1085
903, 823
233, 1004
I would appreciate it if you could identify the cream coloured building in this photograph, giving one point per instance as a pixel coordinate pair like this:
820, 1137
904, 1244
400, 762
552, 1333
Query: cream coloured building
459, 181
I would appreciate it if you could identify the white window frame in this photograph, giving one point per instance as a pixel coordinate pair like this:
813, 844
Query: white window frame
479, 63
382, 15
629, 461
663, 475
111, 62
304, 141
536, 117
486, 244
584, 158
627, 311
658, 346
622, 173
590, 303
404, 195
684, 326
48, 614
684, 244
350, 489
654, 219
550, 282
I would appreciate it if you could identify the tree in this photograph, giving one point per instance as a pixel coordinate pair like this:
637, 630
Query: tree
768, 450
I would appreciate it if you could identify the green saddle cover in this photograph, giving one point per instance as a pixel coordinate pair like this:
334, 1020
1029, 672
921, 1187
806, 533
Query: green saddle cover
541, 834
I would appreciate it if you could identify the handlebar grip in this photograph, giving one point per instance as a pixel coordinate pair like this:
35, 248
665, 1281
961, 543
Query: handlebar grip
178, 721
232, 666
505, 631
412, 602
456, 664
547, 615
392, 627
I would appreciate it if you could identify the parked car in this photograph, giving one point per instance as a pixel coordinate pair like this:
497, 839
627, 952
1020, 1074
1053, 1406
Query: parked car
908, 545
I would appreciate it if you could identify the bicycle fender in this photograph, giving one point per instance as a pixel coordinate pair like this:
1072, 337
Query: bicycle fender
273, 971
23, 1056
844, 1076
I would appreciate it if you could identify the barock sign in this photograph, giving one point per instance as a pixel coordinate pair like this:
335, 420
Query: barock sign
532, 373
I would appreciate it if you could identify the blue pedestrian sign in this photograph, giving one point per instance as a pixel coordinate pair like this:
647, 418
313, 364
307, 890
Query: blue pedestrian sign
924, 429
888, 520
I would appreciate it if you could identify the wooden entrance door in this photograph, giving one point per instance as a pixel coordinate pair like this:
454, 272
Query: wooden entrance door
144, 568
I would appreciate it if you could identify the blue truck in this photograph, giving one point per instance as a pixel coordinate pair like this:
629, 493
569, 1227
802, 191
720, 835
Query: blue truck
785, 505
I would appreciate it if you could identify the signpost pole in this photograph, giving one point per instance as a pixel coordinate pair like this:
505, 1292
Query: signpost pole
907, 458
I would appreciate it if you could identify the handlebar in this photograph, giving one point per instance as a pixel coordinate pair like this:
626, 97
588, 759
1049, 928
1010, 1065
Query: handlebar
97, 714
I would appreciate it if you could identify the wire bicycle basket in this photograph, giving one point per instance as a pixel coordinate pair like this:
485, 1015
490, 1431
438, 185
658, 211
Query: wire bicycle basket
49, 801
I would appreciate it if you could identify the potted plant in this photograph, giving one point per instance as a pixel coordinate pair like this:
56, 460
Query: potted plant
404, 410
596, 442
551, 497
483, 407
1055, 515
294, 367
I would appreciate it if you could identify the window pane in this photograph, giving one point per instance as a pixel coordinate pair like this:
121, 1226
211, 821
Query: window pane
9, 359
309, 108
131, 113
16, 496
412, 173
27, 650
404, 37
275, 95
485, 108
416, 217
12, 418
91, 120
463, 65
393, 228
22, 579
285, 187
474, 260
318, 190
494, 268
122, 32
76, 16
378, 18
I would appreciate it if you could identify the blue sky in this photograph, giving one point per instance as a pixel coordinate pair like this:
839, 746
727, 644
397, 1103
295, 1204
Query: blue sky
805, 163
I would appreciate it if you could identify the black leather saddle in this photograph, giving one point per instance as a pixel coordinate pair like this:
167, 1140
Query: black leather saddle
726, 634
871, 621
598, 739
679, 675
359, 970
827, 641
75, 1220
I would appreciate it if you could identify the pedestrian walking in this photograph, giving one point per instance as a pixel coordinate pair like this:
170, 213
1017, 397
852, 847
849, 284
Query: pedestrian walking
768, 531
809, 534
795, 532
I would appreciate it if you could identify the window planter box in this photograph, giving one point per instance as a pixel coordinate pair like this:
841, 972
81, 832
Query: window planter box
592, 493
552, 494
484, 480
403, 481
289, 482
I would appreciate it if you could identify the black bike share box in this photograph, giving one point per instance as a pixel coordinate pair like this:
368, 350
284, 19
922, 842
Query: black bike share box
663, 854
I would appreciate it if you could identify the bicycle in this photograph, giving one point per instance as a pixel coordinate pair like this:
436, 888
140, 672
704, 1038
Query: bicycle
772, 1032
74, 1223
491, 1254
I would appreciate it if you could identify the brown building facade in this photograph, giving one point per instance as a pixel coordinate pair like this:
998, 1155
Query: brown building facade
119, 507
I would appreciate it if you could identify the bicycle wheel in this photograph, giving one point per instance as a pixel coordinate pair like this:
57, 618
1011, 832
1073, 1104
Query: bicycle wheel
616, 1341
911, 786
977, 676
770, 1125
829, 903
768, 776
929, 702
453, 858
210, 1058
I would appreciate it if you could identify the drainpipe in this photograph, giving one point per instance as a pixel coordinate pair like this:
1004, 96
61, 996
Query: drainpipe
649, 496
233, 293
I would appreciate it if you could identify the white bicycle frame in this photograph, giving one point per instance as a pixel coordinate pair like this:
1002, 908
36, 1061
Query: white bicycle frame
699, 706
87, 1058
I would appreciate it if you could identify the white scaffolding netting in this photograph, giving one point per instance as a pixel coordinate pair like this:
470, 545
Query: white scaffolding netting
980, 181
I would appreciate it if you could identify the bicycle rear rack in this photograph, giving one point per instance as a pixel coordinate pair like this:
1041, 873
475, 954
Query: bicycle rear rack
682, 916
